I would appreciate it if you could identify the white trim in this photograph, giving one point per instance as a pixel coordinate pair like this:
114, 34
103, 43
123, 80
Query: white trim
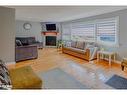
117, 33
116, 61
106, 18
10, 62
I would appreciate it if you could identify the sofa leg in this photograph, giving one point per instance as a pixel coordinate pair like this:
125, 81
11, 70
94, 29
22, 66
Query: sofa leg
122, 68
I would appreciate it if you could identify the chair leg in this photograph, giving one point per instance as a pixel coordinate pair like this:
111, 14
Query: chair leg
122, 68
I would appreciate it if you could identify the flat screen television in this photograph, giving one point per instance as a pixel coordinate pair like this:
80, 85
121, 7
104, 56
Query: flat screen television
50, 27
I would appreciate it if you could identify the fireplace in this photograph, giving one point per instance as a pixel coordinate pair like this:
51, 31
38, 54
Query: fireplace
50, 40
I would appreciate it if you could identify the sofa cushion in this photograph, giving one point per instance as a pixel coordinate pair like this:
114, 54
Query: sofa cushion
80, 45
76, 50
68, 44
24, 40
73, 44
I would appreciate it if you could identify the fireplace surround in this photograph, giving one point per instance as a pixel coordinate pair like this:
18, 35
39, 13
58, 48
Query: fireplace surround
50, 38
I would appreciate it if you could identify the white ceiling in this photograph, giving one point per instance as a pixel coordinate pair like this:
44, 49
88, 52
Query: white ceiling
60, 13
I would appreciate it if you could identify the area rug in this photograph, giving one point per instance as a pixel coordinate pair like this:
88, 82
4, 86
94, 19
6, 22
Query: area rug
117, 82
58, 79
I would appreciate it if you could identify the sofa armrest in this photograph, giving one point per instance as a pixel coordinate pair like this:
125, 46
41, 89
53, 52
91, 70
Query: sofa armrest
39, 44
27, 46
93, 53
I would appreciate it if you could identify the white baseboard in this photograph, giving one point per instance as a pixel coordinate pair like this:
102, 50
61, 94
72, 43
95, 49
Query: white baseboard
10, 62
116, 61
50, 46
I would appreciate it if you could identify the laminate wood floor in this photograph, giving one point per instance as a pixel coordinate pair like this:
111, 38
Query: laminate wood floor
92, 74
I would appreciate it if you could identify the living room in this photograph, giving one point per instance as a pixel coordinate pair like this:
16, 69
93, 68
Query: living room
51, 47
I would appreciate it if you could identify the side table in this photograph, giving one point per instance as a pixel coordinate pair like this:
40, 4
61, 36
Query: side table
101, 54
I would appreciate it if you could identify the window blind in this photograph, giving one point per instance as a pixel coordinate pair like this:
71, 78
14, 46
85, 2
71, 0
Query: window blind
66, 34
106, 31
84, 32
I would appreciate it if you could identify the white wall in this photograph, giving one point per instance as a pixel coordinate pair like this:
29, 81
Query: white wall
7, 34
35, 31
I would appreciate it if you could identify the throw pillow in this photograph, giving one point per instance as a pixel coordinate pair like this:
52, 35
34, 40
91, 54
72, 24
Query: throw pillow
89, 46
5, 79
68, 44
73, 44
93, 53
3, 65
4, 76
24, 41
4, 82
18, 43
80, 45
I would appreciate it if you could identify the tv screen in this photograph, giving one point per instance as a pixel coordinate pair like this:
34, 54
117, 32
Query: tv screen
51, 26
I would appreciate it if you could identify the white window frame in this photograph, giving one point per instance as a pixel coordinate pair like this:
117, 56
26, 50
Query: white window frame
116, 44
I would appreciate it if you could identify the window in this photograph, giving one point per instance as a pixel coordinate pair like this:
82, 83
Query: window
107, 31
83, 32
103, 31
66, 33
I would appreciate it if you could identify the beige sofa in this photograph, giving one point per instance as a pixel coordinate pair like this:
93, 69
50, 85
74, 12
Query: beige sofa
84, 50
